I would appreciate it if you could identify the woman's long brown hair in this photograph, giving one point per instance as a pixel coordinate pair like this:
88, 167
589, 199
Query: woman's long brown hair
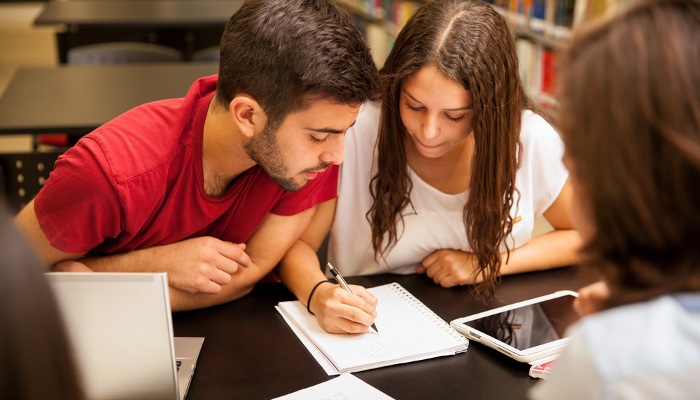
469, 43
630, 120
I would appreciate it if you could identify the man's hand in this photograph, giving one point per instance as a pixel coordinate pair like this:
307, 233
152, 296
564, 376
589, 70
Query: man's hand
203, 264
70, 266
339, 311
592, 298
448, 267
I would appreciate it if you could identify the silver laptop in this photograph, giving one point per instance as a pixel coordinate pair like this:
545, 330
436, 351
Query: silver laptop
122, 335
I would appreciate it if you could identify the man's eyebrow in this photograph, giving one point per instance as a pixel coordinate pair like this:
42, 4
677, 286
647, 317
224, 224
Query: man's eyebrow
469, 107
331, 130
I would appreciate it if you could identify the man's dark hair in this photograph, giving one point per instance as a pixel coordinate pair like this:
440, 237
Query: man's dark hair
285, 53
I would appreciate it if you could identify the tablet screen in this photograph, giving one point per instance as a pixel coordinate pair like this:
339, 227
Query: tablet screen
532, 325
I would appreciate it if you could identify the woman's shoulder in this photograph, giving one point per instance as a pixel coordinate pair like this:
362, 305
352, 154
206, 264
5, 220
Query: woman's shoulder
363, 133
369, 115
660, 326
659, 340
535, 127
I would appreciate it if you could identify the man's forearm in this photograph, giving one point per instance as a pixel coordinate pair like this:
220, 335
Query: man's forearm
135, 261
148, 260
242, 283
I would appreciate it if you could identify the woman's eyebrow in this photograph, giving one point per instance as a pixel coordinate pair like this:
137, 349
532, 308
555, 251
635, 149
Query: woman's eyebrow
447, 109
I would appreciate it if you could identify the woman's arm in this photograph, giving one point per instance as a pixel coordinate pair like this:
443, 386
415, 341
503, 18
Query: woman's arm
337, 310
448, 267
553, 249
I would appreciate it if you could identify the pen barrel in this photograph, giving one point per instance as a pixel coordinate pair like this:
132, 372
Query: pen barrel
338, 278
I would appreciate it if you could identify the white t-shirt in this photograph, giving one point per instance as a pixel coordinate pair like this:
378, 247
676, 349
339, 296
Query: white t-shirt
436, 219
640, 351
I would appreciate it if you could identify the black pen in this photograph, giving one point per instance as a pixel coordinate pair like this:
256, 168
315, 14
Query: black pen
341, 281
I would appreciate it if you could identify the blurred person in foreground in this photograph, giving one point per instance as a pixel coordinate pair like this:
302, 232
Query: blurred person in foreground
36, 362
630, 113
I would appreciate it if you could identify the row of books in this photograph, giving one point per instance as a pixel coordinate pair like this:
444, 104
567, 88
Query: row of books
551, 17
379, 39
554, 18
537, 71
380, 22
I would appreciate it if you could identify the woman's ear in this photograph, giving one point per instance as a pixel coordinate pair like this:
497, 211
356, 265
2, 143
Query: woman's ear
247, 115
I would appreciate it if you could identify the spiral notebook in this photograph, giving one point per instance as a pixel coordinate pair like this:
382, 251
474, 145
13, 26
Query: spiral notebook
408, 331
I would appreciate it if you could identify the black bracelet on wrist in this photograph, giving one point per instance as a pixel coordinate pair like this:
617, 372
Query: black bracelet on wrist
308, 301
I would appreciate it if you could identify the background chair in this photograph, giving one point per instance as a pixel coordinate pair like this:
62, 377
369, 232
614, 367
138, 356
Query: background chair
23, 175
123, 53
111, 53
207, 54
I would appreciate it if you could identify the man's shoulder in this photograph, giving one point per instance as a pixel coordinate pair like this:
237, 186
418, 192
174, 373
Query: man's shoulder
151, 134
154, 134
139, 140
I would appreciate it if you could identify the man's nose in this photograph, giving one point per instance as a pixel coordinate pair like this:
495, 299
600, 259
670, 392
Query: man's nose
334, 151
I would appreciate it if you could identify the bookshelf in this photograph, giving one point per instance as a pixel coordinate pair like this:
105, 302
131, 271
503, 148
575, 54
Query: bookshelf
380, 21
541, 28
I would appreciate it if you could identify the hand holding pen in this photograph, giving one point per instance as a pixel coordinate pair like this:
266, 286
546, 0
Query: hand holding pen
341, 281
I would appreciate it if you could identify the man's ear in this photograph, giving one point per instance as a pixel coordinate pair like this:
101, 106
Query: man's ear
247, 115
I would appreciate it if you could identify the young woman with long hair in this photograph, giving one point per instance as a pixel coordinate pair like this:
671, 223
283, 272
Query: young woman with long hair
448, 173
630, 113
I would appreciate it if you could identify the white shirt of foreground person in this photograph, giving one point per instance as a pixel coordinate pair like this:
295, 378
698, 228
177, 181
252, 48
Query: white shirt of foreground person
640, 351
435, 221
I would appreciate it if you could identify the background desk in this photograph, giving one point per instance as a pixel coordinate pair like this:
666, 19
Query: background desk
184, 24
78, 99
250, 352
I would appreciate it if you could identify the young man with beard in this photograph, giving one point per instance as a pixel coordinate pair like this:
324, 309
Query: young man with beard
213, 188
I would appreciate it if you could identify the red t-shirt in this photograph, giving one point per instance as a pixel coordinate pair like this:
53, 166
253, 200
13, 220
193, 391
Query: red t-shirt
137, 182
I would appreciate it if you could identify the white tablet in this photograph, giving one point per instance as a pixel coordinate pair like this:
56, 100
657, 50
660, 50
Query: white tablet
531, 331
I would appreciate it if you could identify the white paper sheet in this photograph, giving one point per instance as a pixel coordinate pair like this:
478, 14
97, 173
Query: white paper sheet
344, 387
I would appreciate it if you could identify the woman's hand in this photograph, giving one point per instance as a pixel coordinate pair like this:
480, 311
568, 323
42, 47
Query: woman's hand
448, 267
339, 311
592, 298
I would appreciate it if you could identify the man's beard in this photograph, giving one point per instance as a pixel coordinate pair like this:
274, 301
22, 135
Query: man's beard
263, 150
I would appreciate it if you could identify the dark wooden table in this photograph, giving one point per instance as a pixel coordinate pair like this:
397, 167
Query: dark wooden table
250, 352
77, 99
185, 24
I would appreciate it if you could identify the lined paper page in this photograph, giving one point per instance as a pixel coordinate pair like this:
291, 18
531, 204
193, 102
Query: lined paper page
408, 331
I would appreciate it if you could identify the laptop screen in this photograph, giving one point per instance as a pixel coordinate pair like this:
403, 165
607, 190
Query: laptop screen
121, 332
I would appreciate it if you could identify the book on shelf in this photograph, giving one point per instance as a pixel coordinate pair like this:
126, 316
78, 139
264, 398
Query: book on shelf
379, 42
548, 72
408, 331
537, 71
